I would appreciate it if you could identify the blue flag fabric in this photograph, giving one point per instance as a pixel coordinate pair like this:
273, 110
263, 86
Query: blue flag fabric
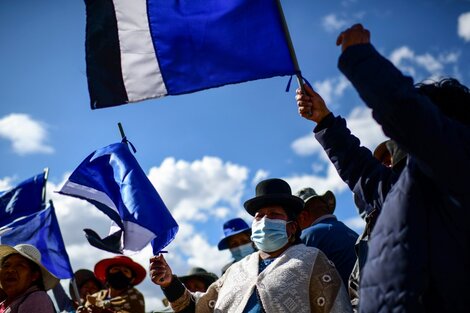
24, 199
142, 49
112, 180
41, 230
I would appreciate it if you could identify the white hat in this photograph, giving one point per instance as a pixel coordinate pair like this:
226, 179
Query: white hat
31, 253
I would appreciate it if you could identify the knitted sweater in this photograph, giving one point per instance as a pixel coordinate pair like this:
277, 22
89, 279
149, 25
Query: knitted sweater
300, 280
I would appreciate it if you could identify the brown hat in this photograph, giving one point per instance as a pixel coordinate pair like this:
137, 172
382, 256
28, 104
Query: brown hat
328, 197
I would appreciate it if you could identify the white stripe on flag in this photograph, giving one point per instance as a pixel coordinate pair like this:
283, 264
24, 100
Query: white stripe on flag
136, 237
140, 69
73, 189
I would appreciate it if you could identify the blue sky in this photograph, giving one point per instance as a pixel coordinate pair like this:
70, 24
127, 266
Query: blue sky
205, 151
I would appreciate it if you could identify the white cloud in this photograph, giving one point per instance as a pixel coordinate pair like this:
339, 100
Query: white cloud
5, 183
259, 176
331, 89
306, 145
333, 23
425, 66
329, 181
26, 135
464, 26
191, 190
355, 223
362, 125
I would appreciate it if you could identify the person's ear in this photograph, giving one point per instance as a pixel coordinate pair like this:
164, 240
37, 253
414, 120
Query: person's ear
291, 229
302, 219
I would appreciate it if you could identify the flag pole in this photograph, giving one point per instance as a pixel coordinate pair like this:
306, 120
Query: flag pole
46, 175
121, 130
75, 291
300, 81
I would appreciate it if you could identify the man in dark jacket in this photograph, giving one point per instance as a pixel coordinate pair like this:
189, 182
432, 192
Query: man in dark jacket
419, 250
321, 229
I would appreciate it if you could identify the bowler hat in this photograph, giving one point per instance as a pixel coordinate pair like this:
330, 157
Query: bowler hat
307, 194
274, 191
233, 227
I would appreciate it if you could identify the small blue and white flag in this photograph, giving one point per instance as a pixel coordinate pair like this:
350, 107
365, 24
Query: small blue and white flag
144, 49
41, 230
24, 199
111, 179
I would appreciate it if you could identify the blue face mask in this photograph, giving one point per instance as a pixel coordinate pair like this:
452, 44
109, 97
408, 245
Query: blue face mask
242, 251
269, 234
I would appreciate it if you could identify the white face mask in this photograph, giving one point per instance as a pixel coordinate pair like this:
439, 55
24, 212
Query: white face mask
269, 234
242, 251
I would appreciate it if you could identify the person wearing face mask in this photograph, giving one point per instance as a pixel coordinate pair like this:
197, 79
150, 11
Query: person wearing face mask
120, 274
283, 276
237, 240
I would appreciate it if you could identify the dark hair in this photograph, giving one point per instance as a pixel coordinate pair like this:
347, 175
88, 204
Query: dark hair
450, 96
35, 268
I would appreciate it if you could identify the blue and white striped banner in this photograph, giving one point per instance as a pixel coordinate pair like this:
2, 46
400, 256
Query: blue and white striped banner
143, 49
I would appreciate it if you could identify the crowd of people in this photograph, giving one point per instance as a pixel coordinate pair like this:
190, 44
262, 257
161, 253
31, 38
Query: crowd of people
296, 256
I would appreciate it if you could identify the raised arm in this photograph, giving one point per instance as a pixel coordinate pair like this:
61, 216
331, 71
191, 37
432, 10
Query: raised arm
355, 164
406, 116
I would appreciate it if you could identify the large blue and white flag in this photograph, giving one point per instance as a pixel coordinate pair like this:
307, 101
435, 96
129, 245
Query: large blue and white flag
24, 199
111, 179
143, 49
41, 230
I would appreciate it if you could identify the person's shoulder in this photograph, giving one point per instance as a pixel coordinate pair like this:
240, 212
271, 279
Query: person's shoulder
135, 291
301, 248
322, 226
37, 301
37, 295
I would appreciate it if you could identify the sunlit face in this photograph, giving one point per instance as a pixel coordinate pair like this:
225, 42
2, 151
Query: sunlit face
195, 284
274, 212
238, 240
17, 275
277, 212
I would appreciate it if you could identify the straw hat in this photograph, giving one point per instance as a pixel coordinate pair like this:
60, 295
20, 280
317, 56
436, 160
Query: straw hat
31, 253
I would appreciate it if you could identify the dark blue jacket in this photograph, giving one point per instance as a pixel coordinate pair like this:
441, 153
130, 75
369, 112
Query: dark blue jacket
336, 240
418, 257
